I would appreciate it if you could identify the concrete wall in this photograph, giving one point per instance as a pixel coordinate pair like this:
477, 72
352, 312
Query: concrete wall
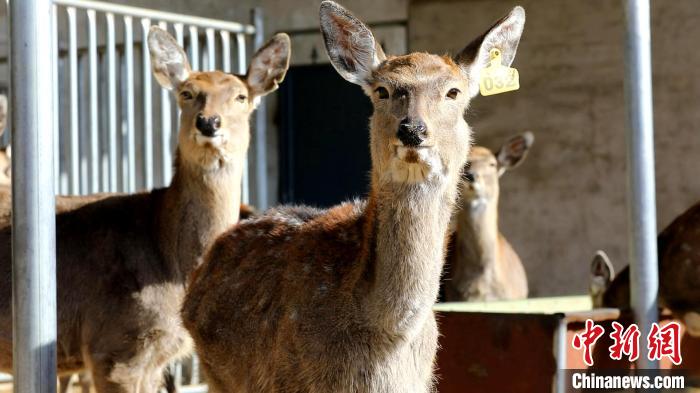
568, 199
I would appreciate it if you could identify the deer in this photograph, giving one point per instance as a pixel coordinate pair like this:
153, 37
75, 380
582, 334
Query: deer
134, 253
340, 300
482, 265
679, 273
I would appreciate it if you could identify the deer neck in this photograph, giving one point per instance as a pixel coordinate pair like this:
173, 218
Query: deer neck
410, 225
198, 206
477, 234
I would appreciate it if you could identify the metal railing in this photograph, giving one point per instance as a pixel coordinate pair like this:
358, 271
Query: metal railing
114, 129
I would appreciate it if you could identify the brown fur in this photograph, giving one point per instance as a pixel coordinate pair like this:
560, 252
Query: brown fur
679, 272
303, 300
482, 264
123, 260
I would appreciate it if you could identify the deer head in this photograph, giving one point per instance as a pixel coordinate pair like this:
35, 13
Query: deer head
602, 274
418, 131
215, 106
482, 173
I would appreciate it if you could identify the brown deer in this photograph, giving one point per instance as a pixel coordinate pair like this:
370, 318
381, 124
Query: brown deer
679, 273
340, 300
133, 254
482, 264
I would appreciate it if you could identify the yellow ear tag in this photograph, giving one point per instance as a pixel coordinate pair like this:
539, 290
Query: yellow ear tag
497, 78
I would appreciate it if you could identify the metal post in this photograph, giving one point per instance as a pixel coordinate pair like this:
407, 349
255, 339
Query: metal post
33, 209
561, 344
640, 169
260, 124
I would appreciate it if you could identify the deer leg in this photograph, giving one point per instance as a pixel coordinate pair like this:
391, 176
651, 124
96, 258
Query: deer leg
85, 382
109, 376
64, 383
152, 380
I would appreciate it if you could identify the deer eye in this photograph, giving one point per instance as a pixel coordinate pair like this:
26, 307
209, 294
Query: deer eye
241, 98
186, 95
382, 93
452, 94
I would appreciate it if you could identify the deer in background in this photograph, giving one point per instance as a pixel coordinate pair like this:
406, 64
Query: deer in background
133, 253
482, 265
679, 273
340, 300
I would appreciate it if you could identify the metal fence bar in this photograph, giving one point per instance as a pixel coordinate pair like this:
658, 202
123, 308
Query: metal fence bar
194, 48
179, 34
211, 50
94, 120
169, 17
112, 101
147, 109
130, 121
225, 51
33, 206
241, 57
166, 129
74, 110
83, 127
640, 169
260, 124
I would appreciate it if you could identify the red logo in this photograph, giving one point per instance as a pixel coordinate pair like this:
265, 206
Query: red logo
626, 341
665, 341
661, 342
586, 339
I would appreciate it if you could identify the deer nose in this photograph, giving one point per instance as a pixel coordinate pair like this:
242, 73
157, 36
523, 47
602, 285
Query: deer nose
208, 125
412, 133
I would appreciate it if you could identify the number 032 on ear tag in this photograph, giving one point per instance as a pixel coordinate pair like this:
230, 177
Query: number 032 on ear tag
497, 78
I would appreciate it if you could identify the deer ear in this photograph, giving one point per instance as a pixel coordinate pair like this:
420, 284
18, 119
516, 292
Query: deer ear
514, 151
269, 65
504, 35
3, 113
350, 45
168, 60
600, 279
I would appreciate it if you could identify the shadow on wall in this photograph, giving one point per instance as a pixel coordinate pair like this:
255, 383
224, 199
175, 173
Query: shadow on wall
569, 198
324, 137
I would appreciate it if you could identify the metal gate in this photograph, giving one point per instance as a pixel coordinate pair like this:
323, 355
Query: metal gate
115, 131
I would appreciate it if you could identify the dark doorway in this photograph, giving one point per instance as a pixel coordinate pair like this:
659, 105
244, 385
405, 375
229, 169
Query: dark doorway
324, 137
